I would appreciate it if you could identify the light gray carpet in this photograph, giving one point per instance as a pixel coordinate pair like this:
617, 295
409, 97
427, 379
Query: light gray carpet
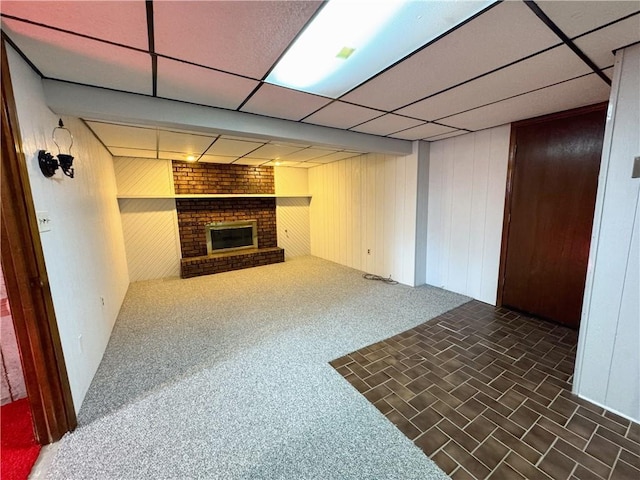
226, 377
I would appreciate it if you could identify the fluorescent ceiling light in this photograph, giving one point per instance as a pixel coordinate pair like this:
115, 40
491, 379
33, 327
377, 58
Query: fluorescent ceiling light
349, 41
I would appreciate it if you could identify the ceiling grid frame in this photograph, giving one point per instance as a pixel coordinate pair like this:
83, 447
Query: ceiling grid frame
591, 25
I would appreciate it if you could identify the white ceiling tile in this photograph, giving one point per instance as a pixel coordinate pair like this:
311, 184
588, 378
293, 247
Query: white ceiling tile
122, 22
183, 142
63, 56
241, 37
250, 161
237, 148
342, 115
274, 101
551, 67
582, 91
216, 159
307, 154
491, 40
577, 17
273, 150
455, 133
423, 131
387, 124
599, 46
132, 152
190, 83
124, 136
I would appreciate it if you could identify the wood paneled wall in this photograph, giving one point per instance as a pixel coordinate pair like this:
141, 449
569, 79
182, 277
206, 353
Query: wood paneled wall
84, 251
363, 214
292, 220
150, 225
467, 180
150, 237
608, 362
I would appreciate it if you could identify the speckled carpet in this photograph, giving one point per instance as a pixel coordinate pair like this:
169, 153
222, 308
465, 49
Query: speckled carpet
227, 377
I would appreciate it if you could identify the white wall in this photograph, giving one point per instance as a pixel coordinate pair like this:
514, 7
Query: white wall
292, 214
84, 251
291, 181
366, 204
150, 225
467, 181
608, 362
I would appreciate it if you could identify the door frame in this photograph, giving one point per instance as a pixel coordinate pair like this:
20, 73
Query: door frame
28, 289
506, 220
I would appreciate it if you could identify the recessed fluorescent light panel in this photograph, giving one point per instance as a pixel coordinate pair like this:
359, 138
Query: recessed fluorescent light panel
349, 41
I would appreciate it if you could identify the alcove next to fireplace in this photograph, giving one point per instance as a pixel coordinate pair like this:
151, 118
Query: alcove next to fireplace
196, 213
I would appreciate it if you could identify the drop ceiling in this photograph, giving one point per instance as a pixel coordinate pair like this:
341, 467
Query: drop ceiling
512, 61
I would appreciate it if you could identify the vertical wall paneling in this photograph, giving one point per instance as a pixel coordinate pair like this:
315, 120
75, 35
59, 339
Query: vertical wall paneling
422, 211
435, 208
608, 362
84, 251
359, 223
363, 214
342, 212
467, 181
390, 249
477, 214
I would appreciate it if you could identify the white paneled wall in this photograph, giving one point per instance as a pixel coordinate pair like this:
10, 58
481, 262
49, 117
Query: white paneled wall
608, 362
291, 181
292, 214
363, 214
151, 237
467, 181
84, 250
292, 220
150, 225
143, 176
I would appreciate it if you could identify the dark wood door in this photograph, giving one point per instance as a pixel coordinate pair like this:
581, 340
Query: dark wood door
555, 177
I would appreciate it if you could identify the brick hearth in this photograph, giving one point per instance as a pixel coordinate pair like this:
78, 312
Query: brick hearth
225, 262
195, 213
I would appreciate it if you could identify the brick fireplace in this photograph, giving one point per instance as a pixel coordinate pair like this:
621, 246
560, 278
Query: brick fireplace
195, 213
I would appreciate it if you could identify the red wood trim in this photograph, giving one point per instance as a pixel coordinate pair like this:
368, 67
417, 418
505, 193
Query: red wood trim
507, 214
28, 285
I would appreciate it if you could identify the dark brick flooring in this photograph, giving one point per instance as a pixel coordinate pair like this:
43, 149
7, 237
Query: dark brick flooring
486, 393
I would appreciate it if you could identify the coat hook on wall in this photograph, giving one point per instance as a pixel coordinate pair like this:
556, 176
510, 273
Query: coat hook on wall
50, 163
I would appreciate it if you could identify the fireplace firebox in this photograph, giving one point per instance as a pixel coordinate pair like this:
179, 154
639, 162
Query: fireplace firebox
230, 236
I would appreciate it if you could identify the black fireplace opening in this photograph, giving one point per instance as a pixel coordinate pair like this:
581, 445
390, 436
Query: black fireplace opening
230, 236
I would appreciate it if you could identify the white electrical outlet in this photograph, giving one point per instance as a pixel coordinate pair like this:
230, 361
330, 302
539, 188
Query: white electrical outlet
44, 221
80, 344
102, 301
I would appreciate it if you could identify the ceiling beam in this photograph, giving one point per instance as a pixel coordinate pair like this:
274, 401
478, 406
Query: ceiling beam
92, 103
